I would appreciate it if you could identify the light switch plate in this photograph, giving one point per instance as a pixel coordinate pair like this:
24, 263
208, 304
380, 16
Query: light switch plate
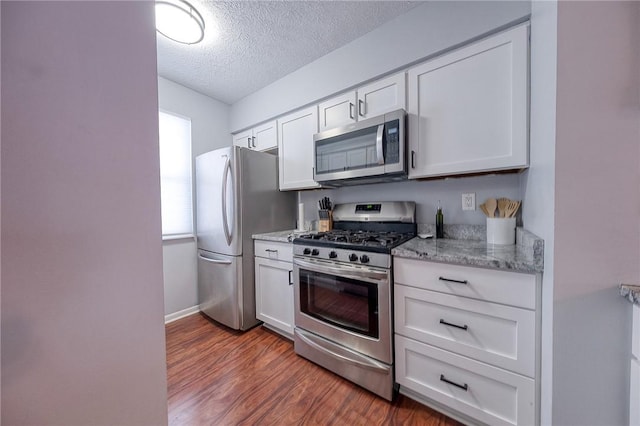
469, 201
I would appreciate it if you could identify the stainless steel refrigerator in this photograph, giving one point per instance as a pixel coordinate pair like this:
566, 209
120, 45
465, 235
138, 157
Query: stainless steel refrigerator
236, 196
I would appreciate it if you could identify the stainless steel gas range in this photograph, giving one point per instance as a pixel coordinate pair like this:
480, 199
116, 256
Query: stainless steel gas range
343, 292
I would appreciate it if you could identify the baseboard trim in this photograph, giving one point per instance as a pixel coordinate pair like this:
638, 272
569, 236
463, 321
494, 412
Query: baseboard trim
181, 314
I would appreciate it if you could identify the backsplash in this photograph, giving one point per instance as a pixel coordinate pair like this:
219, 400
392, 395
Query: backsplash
426, 195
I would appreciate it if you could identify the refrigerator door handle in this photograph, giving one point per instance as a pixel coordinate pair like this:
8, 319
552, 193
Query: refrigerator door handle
225, 223
208, 259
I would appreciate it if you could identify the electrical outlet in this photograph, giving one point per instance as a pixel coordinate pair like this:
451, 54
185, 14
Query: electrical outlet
469, 201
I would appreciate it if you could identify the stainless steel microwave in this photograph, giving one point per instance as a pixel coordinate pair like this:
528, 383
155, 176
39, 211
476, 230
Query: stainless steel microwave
372, 150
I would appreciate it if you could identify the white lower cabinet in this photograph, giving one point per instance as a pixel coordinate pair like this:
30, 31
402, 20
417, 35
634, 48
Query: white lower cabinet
274, 286
634, 390
465, 342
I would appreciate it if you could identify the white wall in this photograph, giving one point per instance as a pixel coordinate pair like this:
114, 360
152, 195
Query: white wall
537, 183
597, 203
422, 32
209, 130
82, 309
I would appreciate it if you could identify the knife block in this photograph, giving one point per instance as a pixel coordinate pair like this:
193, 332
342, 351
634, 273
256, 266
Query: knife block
325, 222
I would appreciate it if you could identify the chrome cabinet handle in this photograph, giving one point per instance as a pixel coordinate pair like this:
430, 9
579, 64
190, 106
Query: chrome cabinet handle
225, 223
290, 277
413, 159
271, 250
449, 280
361, 108
461, 327
379, 151
248, 142
464, 387
253, 141
351, 110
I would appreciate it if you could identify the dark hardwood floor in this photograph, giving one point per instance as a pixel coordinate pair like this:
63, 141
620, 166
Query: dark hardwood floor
221, 377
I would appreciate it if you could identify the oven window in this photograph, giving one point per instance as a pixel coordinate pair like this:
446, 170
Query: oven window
345, 303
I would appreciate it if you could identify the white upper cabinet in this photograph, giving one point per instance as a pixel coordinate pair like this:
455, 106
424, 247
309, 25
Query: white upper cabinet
295, 149
338, 111
266, 136
382, 96
468, 109
244, 139
260, 138
377, 98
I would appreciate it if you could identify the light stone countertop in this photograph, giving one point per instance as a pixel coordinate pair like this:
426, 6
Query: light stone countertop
631, 293
279, 236
525, 256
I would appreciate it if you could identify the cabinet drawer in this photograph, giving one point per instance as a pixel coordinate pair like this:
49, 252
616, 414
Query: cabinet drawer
489, 394
274, 250
510, 288
500, 335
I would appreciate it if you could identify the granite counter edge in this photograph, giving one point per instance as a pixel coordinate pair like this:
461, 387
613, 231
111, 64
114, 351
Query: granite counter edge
631, 293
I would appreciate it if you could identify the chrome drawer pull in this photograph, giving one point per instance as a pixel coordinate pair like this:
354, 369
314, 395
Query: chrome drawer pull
449, 280
461, 327
464, 387
271, 250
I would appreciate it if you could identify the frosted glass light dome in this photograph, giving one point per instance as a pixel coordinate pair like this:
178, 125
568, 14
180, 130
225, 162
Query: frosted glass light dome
179, 21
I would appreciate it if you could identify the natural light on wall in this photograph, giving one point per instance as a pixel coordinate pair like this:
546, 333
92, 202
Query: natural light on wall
179, 21
175, 175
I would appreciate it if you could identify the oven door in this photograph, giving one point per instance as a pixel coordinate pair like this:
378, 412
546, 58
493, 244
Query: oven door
349, 305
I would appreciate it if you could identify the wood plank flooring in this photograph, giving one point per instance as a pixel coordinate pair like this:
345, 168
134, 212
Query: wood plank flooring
217, 376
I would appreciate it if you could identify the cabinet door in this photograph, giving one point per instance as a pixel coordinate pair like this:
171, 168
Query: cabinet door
295, 149
265, 137
338, 111
382, 96
244, 139
274, 293
468, 109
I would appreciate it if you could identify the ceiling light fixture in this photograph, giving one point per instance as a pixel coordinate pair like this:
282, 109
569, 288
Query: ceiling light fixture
179, 21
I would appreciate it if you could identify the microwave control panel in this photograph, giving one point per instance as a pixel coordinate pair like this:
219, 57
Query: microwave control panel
392, 143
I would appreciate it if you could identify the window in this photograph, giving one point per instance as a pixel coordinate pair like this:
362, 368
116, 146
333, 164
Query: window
175, 175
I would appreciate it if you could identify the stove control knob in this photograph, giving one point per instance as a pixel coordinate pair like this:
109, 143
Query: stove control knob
315, 252
353, 257
333, 254
364, 258
306, 251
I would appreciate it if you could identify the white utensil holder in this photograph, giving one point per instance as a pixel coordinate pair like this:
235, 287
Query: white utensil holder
501, 230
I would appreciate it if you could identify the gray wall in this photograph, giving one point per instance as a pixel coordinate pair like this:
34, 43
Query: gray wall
422, 32
82, 312
597, 243
537, 183
209, 130
426, 194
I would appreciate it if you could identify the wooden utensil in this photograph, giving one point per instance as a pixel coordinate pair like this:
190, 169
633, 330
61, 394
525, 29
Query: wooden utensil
484, 209
491, 205
502, 206
512, 208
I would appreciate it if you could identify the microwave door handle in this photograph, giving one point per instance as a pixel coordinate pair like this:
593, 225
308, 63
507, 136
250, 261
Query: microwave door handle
379, 151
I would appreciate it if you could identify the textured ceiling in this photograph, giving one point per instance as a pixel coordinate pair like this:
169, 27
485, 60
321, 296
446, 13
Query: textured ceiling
250, 44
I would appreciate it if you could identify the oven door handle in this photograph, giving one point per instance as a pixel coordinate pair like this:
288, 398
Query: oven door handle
369, 275
318, 345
